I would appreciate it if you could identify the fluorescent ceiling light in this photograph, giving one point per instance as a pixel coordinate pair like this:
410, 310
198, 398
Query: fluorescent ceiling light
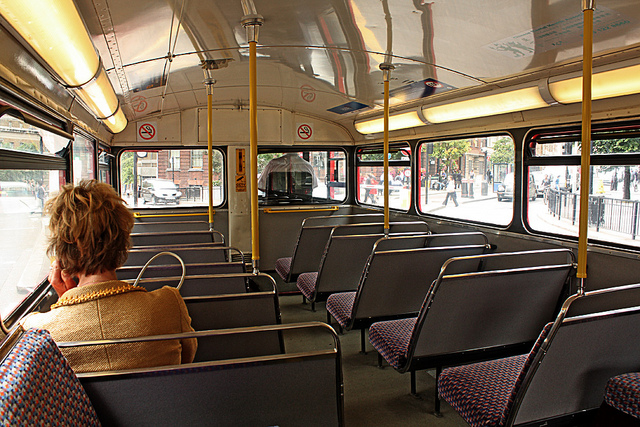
56, 32
117, 122
606, 84
501, 103
397, 121
99, 96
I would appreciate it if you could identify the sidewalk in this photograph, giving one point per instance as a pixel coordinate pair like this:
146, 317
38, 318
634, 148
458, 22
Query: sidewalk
438, 196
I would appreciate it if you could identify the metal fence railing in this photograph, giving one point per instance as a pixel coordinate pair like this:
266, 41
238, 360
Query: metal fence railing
604, 213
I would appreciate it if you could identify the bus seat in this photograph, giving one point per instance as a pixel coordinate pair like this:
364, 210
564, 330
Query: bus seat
208, 253
562, 378
622, 393
457, 384
170, 237
345, 256
170, 226
454, 326
312, 237
258, 391
40, 388
396, 277
235, 311
204, 284
130, 272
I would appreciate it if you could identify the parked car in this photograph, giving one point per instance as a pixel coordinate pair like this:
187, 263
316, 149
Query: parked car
505, 189
156, 190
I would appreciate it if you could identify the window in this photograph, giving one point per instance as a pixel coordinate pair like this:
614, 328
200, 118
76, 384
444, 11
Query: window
370, 171
469, 179
553, 160
83, 159
301, 177
105, 163
29, 173
161, 182
174, 160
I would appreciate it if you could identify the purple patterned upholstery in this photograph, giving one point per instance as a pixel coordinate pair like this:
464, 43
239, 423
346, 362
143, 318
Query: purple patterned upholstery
483, 393
306, 283
283, 267
623, 393
39, 387
340, 306
391, 339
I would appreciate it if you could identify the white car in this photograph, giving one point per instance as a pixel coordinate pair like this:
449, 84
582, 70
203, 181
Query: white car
156, 190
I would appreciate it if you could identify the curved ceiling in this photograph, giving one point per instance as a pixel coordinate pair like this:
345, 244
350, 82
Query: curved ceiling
322, 58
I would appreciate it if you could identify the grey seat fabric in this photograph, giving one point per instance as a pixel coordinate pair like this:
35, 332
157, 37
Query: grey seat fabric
199, 394
397, 276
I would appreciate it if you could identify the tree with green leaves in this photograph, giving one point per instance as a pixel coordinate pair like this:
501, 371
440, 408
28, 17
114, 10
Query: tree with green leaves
449, 152
503, 151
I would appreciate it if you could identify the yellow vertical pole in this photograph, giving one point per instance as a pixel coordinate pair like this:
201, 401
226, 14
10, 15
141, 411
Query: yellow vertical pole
252, 22
386, 71
210, 147
587, 63
253, 154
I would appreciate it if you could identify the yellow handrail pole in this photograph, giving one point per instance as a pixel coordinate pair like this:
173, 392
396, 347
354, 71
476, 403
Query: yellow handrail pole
210, 82
386, 72
252, 23
587, 63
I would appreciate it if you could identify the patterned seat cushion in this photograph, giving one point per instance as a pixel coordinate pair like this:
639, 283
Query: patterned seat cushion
623, 393
39, 387
283, 267
480, 392
391, 339
340, 305
306, 283
483, 393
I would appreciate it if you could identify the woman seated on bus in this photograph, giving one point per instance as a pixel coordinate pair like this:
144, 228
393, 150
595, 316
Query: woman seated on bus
90, 237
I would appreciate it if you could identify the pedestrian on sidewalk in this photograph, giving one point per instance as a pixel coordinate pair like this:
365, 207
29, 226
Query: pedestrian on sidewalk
451, 191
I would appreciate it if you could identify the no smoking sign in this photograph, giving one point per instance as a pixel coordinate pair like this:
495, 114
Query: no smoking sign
147, 132
305, 132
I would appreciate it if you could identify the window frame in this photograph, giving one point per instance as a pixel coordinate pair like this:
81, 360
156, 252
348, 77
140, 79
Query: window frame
265, 202
487, 162
600, 131
394, 147
168, 150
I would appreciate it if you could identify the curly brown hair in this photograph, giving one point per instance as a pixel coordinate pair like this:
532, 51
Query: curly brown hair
90, 228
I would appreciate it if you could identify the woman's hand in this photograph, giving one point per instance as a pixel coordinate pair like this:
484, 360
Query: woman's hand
59, 279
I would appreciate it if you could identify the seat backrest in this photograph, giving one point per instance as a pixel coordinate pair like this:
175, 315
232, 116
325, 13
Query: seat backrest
168, 238
205, 284
488, 309
39, 387
173, 270
345, 258
333, 220
349, 247
235, 311
217, 392
191, 255
172, 226
571, 371
396, 280
313, 240
162, 226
